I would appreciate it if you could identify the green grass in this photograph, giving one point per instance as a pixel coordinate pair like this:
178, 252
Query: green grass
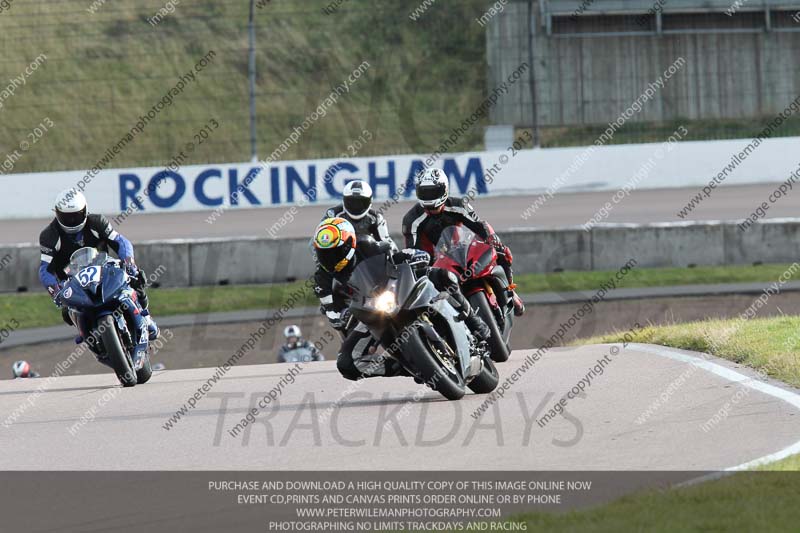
762, 501
649, 277
36, 310
769, 345
104, 70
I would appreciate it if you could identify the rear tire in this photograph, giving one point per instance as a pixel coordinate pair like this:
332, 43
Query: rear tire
416, 350
497, 345
116, 354
487, 380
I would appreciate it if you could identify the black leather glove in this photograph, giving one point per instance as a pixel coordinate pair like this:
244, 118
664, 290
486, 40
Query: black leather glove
340, 324
495, 242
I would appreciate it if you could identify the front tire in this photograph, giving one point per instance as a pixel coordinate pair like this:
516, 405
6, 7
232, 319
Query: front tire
117, 356
144, 374
497, 345
448, 383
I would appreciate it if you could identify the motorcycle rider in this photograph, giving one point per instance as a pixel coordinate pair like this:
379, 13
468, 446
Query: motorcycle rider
23, 369
356, 208
74, 228
294, 341
335, 245
437, 210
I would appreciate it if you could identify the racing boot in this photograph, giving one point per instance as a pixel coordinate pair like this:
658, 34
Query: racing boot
477, 326
519, 305
152, 327
470, 316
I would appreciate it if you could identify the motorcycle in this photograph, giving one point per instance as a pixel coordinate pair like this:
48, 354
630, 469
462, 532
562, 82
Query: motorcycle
102, 304
298, 355
483, 282
418, 326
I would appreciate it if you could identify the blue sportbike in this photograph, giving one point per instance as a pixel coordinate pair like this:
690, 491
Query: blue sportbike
103, 305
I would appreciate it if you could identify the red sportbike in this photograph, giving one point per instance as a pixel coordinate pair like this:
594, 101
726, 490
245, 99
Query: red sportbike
483, 282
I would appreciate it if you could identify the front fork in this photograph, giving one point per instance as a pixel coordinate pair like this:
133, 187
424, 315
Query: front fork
129, 317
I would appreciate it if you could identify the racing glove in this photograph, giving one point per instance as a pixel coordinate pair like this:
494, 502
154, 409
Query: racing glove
340, 323
414, 257
53, 290
131, 268
495, 242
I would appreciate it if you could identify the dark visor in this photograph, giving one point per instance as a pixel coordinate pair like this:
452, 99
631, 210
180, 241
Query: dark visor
357, 205
71, 220
431, 192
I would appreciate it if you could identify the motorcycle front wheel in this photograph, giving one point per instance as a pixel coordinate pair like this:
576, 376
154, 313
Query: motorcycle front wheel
144, 374
436, 365
117, 356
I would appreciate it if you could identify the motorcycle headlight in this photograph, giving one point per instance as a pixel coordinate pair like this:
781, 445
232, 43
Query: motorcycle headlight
386, 302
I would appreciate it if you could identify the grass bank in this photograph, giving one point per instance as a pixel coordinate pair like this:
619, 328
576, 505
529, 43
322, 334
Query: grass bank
36, 310
769, 345
752, 501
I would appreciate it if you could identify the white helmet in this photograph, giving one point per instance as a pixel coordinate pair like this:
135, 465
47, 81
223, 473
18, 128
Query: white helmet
357, 199
21, 369
71, 210
292, 331
432, 188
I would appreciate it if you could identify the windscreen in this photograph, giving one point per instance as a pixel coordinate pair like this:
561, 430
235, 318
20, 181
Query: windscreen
455, 243
371, 275
85, 257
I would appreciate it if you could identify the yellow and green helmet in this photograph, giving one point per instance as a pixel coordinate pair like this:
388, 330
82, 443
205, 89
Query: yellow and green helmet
335, 244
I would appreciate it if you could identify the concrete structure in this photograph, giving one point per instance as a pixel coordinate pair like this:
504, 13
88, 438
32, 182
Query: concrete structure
192, 263
590, 66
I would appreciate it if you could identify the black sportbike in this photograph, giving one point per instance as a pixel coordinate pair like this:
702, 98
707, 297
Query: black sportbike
418, 326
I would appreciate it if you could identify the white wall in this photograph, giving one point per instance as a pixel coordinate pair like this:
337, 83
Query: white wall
201, 187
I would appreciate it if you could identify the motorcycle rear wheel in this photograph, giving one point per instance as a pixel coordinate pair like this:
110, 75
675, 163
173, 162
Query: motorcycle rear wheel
497, 346
487, 380
119, 359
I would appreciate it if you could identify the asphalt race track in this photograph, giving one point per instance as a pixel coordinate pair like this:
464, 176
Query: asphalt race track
89, 422
643, 206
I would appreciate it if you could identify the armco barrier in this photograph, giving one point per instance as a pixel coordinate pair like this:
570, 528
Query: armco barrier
206, 262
